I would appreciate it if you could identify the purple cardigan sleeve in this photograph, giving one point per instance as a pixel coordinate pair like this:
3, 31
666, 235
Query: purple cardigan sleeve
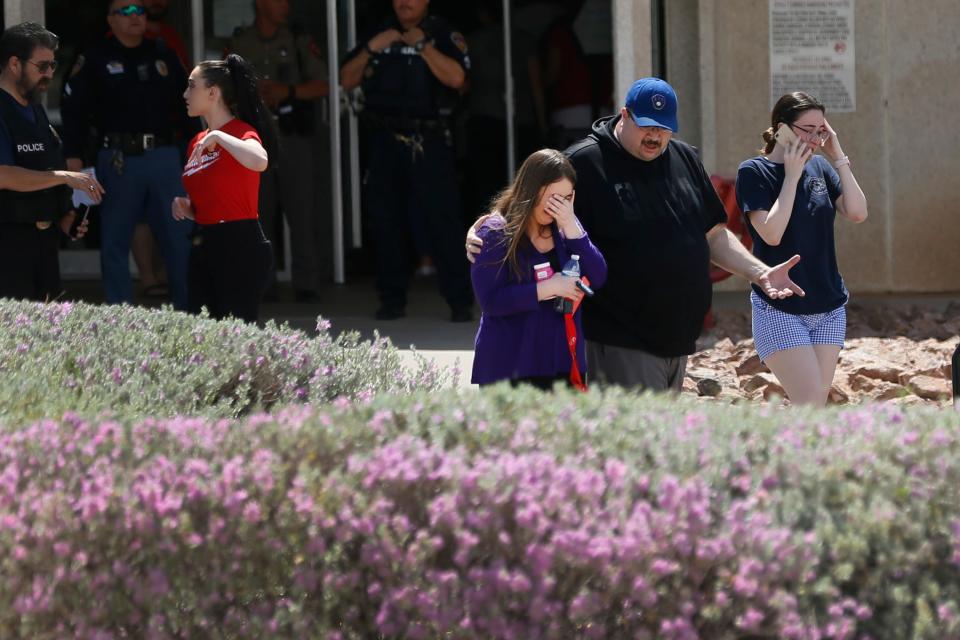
494, 284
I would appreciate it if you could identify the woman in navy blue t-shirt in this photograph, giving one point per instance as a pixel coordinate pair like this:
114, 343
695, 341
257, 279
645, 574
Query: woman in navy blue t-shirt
790, 197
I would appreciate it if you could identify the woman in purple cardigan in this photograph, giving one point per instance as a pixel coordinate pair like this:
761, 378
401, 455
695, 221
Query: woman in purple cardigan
521, 337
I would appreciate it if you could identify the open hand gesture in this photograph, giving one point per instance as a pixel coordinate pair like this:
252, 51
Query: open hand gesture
776, 282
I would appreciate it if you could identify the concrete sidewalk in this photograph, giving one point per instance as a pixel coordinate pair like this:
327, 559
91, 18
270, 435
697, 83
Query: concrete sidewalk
427, 326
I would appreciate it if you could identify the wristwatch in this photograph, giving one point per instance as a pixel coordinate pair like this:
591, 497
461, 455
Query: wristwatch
419, 45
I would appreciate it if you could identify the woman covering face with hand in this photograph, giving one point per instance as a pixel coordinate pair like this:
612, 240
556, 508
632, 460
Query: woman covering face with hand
529, 236
231, 258
790, 196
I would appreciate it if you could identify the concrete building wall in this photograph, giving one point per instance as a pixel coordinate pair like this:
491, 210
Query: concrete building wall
632, 53
17, 11
683, 64
923, 143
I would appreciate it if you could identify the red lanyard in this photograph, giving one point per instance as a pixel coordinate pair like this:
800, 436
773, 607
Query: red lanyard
575, 378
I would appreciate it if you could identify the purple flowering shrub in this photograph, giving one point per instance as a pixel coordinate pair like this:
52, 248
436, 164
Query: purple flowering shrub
506, 514
140, 362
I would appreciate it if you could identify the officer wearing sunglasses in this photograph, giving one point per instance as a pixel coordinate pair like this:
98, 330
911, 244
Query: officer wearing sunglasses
34, 194
126, 90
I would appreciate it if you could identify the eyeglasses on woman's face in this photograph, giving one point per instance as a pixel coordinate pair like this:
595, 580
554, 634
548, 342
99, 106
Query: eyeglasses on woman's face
811, 133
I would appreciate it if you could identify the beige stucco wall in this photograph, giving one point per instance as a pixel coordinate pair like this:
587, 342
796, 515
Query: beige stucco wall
17, 11
904, 138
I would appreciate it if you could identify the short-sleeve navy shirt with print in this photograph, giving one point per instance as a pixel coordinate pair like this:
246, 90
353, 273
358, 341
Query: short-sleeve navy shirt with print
809, 232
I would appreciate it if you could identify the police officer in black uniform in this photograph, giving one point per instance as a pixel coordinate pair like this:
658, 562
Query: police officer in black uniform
411, 73
129, 91
34, 188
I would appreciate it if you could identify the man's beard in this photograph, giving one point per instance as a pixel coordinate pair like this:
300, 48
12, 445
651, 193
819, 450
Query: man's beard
34, 92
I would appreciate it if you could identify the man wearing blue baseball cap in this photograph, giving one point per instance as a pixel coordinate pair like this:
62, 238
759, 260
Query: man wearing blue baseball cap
648, 205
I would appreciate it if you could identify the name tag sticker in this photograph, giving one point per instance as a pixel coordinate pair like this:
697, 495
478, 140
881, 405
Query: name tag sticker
115, 68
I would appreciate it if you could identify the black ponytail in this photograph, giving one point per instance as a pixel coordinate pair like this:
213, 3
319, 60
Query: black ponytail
237, 81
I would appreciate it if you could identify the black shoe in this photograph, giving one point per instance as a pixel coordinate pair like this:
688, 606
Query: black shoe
461, 314
390, 312
305, 296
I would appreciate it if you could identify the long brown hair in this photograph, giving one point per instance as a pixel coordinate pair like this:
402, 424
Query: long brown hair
787, 111
516, 202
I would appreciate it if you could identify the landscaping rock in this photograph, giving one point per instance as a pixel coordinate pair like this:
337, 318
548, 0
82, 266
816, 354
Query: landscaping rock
891, 354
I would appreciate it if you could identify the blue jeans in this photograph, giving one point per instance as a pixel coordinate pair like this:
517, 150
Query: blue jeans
148, 184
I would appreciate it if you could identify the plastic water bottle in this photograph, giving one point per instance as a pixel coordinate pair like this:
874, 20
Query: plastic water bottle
570, 270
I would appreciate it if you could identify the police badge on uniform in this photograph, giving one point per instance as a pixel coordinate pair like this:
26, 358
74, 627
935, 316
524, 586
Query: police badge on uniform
457, 38
162, 68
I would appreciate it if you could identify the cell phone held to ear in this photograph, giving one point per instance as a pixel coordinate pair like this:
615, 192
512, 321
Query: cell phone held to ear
785, 135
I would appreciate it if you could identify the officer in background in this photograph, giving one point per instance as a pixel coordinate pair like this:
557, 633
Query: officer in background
293, 77
411, 73
129, 91
34, 189
159, 29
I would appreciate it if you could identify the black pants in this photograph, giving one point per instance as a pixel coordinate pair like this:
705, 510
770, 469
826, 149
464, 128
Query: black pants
29, 261
404, 179
229, 269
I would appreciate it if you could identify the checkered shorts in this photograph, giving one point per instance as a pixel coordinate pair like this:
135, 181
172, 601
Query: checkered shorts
775, 330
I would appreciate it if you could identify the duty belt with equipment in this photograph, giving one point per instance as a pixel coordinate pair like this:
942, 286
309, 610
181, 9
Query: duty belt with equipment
410, 131
400, 124
132, 144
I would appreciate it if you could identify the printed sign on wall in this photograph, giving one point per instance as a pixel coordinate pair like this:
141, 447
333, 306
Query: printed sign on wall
812, 50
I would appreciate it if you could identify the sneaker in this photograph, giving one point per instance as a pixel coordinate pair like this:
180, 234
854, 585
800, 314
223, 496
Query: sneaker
390, 312
461, 314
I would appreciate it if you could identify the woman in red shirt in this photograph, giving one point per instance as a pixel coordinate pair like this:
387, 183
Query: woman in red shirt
231, 258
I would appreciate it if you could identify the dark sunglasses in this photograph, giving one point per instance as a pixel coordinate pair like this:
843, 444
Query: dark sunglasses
44, 65
129, 10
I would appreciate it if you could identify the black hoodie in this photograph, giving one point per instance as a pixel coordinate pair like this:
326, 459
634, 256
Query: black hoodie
649, 219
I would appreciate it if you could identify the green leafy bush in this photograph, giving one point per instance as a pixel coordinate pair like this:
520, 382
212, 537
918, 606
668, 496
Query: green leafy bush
140, 362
